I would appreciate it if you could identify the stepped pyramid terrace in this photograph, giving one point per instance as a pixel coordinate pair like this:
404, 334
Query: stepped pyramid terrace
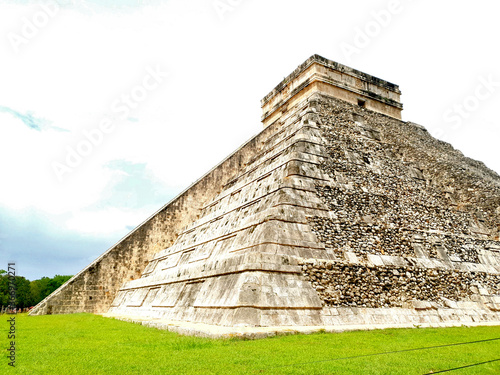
338, 215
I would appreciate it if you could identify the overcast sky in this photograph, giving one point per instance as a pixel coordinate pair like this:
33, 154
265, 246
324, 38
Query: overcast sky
108, 109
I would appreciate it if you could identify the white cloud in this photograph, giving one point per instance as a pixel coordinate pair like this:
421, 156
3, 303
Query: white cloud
29, 181
106, 221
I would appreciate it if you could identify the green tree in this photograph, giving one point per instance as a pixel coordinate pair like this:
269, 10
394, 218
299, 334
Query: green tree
57, 281
39, 289
43, 287
29, 293
23, 292
4, 288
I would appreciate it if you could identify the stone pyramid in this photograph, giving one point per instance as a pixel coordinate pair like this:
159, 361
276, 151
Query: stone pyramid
338, 215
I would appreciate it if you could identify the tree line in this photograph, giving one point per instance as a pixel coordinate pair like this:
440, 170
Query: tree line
28, 293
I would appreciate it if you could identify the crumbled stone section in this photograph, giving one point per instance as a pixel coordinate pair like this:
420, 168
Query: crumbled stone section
395, 190
343, 284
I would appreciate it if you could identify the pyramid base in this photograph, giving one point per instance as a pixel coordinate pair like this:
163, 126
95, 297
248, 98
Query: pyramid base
333, 320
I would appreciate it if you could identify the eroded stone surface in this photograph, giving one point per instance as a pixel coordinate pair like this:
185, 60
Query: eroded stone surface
360, 285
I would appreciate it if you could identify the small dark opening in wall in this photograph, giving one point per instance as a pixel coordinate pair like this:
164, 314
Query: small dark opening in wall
362, 103
90, 297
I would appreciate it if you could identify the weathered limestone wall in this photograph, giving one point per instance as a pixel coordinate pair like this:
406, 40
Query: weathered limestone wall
95, 287
413, 223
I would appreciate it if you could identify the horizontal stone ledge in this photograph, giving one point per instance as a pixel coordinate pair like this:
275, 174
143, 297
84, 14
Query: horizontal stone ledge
273, 155
221, 332
277, 150
398, 261
236, 252
200, 222
222, 237
242, 252
259, 307
247, 268
277, 168
304, 247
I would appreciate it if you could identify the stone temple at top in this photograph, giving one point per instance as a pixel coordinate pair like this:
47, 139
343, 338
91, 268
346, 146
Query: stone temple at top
338, 215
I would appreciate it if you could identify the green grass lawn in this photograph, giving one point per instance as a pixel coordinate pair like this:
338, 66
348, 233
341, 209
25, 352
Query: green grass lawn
88, 344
